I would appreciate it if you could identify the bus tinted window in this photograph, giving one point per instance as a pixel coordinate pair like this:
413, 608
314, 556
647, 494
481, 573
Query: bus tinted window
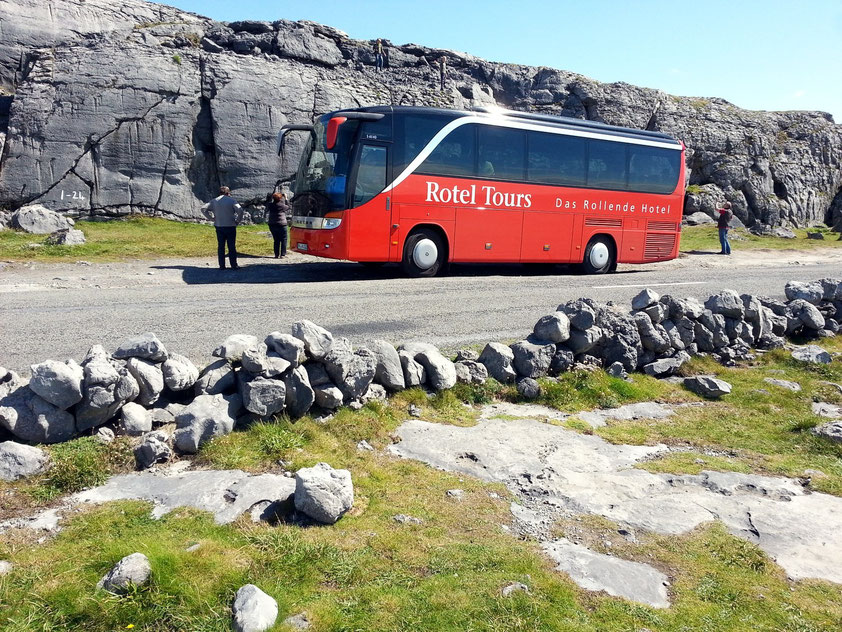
454, 155
556, 159
607, 164
413, 133
501, 153
371, 173
653, 169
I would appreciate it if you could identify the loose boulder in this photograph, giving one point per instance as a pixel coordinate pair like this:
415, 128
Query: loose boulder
135, 420
317, 340
812, 292
263, 396
287, 347
413, 373
707, 386
645, 298
31, 418
352, 371
554, 328
151, 450
106, 388
39, 220
389, 370
299, 395
132, 570
67, 237
60, 383
206, 417
21, 461
831, 431
145, 346
498, 359
179, 372
528, 388
217, 377
441, 374
812, 354
666, 367
233, 346
532, 358
150, 380
253, 610
323, 493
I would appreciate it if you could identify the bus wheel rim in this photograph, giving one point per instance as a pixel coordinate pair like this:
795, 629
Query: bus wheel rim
425, 254
599, 255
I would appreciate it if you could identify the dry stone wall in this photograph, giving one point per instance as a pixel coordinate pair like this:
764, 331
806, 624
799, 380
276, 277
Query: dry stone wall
142, 389
111, 109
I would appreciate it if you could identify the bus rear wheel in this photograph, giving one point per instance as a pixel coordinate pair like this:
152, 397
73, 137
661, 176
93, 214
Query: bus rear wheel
600, 256
424, 253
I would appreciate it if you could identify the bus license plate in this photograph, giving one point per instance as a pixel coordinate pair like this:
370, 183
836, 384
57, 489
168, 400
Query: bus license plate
302, 246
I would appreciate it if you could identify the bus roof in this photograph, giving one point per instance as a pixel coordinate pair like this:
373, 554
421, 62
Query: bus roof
547, 120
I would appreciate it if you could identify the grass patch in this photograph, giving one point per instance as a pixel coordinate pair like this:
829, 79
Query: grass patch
764, 427
706, 238
132, 238
584, 390
76, 465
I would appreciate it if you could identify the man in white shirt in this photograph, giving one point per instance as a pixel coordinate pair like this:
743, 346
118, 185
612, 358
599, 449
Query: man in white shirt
226, 214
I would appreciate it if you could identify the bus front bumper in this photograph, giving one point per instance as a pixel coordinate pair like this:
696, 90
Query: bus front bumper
319, 242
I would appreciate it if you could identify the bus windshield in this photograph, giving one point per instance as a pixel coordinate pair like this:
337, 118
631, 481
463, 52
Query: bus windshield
323, 173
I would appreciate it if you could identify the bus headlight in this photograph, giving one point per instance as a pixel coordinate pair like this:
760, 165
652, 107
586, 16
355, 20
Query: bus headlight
331, 222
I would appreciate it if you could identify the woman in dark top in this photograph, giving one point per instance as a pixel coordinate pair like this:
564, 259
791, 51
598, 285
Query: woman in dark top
277, 211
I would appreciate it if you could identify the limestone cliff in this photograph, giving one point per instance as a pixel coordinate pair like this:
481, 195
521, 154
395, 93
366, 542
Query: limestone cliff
134, 107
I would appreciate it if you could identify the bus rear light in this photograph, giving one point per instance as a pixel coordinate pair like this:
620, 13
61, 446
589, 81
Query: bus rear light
331, 222
333, 130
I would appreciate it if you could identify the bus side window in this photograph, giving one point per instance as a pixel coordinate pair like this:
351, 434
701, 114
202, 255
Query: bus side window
607, 165
653, 169
371, 173
454, 155
501, 153
556, 159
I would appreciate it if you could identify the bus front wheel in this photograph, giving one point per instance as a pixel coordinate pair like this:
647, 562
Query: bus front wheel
424, 253
600, 256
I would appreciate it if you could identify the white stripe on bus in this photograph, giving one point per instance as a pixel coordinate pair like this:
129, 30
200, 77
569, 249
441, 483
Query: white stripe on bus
499, 122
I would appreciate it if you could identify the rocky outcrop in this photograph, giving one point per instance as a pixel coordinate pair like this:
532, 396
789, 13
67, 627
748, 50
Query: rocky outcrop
142, 108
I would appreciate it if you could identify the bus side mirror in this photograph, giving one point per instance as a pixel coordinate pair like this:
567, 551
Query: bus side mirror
333, 130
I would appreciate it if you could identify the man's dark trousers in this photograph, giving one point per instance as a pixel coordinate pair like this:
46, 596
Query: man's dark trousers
227, 235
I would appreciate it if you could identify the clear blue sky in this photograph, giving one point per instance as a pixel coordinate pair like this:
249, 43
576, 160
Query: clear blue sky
758, 54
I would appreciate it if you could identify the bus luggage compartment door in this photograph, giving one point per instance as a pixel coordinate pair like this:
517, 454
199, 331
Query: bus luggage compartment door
547, 236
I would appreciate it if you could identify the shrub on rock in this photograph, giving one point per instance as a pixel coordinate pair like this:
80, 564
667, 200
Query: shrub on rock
323, 493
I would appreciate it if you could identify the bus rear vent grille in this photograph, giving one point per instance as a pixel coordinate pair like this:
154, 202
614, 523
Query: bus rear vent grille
658, 246
604, 221
655, 225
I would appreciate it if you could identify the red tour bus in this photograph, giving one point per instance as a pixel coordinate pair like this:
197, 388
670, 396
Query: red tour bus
426, 187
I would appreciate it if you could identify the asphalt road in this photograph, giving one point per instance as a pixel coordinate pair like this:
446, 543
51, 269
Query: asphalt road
59, 311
